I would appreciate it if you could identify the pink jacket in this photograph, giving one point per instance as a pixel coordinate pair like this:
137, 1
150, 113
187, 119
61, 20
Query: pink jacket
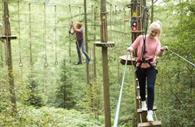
153, 48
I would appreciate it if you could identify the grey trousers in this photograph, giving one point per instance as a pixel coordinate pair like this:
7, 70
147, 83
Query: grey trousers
80, 45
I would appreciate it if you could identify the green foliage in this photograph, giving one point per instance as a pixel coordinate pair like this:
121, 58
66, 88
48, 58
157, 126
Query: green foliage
68, 89
175, 89
44, 117
185, 30
4, 92
34, 98
64, 93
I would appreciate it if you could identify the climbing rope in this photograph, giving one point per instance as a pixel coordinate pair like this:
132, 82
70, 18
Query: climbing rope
80, 13
19, 40
120, 94
70, 11
189, 62
30, 36
55, 32
44, 37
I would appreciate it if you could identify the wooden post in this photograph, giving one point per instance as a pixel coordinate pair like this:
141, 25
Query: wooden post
94, 51
104, 38
86, 37
96, 99
104, 43
8, 57
1, 46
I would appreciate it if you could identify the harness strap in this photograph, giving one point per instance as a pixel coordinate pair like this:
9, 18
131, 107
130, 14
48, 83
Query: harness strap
145, 61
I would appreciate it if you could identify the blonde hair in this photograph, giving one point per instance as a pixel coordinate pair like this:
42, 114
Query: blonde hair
79, 24
156, 25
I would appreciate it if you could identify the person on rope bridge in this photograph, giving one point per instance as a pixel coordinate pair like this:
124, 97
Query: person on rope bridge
80, 44
148, 47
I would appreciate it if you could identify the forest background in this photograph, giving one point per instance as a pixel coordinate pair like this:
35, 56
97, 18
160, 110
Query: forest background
52, 91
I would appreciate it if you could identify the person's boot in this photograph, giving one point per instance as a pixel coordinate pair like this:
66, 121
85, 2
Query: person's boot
78, 63
144, 106
150, 116
88, 61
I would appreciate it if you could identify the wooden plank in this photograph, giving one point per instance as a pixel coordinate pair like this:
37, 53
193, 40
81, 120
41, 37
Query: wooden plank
150, 124
140, 110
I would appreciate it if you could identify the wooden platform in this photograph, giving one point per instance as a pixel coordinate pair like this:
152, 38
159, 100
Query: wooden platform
128, 58
104, 44
150, 124
8, 37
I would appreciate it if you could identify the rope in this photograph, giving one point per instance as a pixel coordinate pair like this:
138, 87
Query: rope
120, 95
70, 11
44, 36
55, 40
30, 36
19, 42
49, 3
182, 58
145, 26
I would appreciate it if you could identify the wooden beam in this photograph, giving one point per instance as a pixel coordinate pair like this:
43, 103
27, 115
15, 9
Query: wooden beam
150, 124
8, 37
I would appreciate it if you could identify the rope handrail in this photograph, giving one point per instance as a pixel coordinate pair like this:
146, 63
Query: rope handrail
120, 95
48, 4
182, 58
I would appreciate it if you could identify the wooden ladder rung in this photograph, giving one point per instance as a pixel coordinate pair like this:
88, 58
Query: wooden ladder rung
150, 124
140, 110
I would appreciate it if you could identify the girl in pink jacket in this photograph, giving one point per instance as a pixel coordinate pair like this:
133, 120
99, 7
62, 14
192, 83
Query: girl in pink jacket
148, 48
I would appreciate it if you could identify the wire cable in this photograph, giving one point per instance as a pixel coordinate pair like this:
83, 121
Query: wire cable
120, 95
44, 35
182, 58
55, 34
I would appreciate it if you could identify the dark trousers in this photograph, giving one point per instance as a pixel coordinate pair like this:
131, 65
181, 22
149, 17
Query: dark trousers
81, 45
147, 76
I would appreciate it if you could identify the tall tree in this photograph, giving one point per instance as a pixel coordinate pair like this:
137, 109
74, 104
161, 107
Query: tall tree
64, 93
34, 98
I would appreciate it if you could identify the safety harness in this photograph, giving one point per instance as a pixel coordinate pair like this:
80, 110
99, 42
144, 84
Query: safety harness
143, 60
144, 23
